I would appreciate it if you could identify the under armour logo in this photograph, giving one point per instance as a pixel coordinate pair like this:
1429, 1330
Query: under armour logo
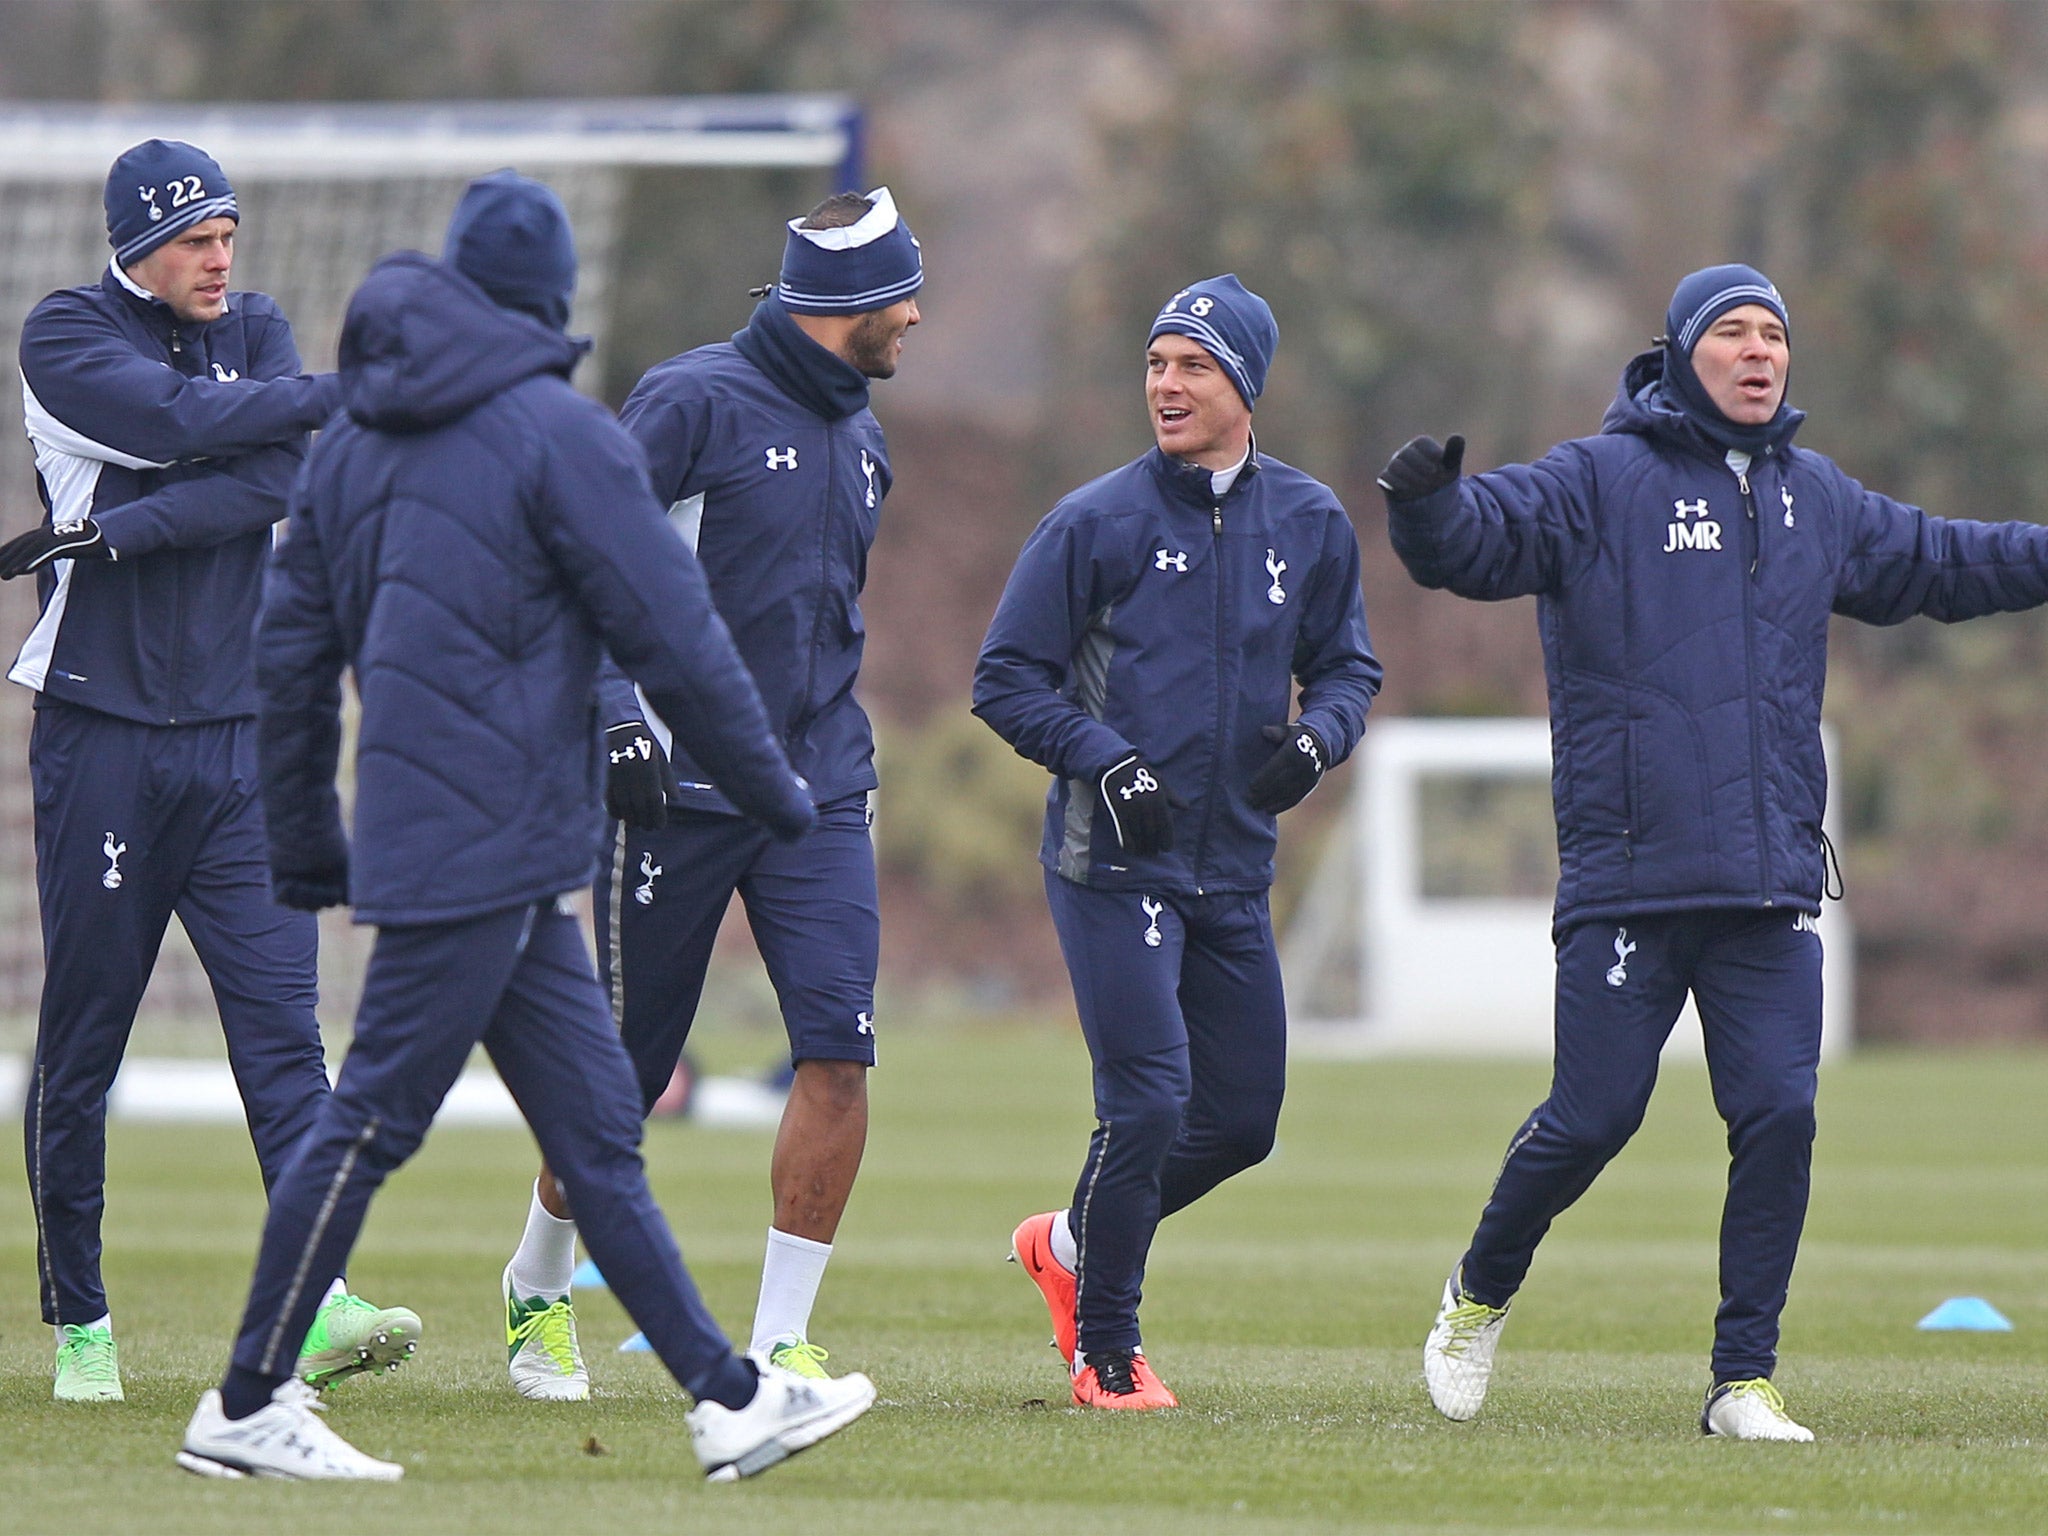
1690, 508
867, 467
783, 458
224, 375
1305, 744
1617, 973
640, 747
644, 892
1177, 561
113, 850
1274, 566
148, 195
1806, 922
1152, 911
68, 528
1142, 783
864, 1023
1786, 497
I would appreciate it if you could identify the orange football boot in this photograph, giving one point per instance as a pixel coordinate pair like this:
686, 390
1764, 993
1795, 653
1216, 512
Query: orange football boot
1120, 1378
1031, 1246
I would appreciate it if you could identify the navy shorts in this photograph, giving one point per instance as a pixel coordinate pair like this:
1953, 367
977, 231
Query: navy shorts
812, 906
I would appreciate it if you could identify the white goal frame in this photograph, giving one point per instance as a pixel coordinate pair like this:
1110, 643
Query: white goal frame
1464, 975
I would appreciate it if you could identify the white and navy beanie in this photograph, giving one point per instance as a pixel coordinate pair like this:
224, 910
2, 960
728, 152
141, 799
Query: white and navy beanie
869, 264
1699, 300
1231, 323
159, 189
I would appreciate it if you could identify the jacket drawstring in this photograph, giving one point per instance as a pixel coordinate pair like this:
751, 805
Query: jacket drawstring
1832, 886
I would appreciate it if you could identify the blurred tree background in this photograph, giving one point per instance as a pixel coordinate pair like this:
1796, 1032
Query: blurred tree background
1467, 216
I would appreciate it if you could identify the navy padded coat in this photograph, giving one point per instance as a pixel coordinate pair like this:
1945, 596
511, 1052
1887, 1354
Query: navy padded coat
1684, 610
467, 538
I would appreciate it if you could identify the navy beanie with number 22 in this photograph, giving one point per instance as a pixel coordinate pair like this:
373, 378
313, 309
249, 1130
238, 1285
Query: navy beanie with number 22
159, 189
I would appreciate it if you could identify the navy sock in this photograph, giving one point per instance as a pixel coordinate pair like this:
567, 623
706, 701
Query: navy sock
244, 1392
731, 1383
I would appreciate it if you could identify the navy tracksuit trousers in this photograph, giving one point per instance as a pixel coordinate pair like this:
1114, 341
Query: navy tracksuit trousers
520, 981
1180, 1001
134, 822
1620, 987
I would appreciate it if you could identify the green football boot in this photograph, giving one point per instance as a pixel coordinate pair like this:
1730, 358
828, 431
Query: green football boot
88, 1366
350, 1336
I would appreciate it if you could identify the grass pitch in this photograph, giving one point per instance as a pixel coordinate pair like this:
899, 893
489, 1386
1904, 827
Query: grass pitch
1287, 1310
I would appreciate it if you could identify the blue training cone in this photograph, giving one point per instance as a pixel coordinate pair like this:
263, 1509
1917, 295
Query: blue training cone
588, 1274
638, 1345
1971, 1313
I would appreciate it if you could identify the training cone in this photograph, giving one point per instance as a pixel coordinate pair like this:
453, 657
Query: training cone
1971, 1313
636, 1345
588, 1274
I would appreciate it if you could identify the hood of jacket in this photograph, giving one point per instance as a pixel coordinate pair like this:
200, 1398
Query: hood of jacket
423, 345
1648, 405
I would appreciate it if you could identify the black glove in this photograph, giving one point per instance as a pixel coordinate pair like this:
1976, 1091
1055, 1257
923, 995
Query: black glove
25, 552
1422, 467
1289, 774
1140, 807
637, 783
308, 890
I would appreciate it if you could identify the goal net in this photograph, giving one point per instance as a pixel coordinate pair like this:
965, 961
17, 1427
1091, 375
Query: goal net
1426, 930
324, 192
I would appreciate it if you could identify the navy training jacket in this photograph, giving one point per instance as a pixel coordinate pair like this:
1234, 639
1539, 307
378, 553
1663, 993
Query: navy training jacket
469, 539
181, 440
774, 469
1684, 612
1146, 615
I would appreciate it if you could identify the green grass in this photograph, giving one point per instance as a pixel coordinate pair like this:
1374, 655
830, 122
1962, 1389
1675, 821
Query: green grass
1287, 1310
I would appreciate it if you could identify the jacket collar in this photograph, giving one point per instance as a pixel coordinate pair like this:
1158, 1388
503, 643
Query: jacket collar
1650, 405
1191, 483
820, 381
115, 280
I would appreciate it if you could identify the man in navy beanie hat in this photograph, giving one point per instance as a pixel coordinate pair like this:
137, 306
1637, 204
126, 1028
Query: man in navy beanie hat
1685, 564
775, 469
515, 539
169, 416
1148, 651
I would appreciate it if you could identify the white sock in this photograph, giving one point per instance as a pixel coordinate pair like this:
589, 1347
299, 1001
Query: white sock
547, 1254
338, 1288
790, 1274
104, 1320
1063, 1246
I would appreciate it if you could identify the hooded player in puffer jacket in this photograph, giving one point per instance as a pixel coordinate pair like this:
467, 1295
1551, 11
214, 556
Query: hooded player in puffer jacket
168, 417
1685, 564
467, 542
1146, 650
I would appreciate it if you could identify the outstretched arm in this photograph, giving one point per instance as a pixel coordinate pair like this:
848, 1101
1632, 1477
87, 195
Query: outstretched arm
1897, 562
1511, 532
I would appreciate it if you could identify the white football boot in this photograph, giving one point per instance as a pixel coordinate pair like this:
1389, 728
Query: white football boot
789, 1413
540, 1347
1457, 1357
285, 1438
1750, 1410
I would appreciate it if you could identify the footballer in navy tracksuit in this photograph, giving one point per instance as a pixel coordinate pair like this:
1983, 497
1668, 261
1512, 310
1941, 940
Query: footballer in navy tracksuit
774, 469
1685, 563
1146, 650
467, 540
168, 422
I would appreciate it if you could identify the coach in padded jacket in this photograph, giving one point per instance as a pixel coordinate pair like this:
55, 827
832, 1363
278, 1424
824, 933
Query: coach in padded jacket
1685, 563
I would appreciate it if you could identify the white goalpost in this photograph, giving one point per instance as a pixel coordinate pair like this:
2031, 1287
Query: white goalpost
1427, 928
325, 191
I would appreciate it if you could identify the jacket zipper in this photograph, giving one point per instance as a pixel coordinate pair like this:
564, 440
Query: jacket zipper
1756, 759
803, 704
1222, 703
177, 584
